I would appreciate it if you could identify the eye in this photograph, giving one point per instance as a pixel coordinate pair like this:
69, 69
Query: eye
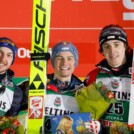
58, 58
106, 46
116, 45
71, 58
10, 55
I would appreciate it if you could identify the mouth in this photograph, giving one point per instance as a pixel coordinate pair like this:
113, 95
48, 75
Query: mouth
64, 68
113, 57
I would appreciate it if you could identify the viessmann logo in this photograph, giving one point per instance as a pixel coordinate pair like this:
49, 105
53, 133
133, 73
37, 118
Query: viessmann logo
128, 4
128, 15
23, 53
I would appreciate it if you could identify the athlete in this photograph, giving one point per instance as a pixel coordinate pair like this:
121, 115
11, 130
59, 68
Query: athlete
115, 73
10, 94
62, 84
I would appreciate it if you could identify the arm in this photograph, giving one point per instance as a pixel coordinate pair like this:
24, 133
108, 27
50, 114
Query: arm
25, 88
91, 77
17, 99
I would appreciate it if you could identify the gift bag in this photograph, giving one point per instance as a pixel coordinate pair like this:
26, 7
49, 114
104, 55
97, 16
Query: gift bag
95, 99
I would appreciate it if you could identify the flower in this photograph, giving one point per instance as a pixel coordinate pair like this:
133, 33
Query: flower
105, 92
95, 98
131, 127
9, 125
120, 128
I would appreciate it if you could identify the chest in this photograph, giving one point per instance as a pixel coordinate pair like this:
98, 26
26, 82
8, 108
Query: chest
6, 100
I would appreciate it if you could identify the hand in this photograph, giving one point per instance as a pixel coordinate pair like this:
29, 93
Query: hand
93, 126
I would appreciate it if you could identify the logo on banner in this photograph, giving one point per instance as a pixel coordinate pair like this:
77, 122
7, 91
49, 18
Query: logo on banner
36, 107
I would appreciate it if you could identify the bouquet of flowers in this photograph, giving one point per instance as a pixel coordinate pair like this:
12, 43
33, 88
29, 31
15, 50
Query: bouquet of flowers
10, 125
95, 98
121, 128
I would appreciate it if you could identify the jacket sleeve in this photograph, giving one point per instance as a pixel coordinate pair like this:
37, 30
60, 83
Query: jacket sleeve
25, 89
17, 99
91, 77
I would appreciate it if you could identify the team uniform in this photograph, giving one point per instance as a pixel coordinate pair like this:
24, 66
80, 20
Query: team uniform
60, 98
118, 80
10, 95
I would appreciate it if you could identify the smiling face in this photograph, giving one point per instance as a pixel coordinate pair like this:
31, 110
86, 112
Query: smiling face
6, 58
64, 65
67, 125
114, 52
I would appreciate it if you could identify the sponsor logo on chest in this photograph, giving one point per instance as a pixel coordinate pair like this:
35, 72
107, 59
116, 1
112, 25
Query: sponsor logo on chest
115, 84
57, 101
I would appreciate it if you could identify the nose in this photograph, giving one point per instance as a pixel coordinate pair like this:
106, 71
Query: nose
112, 49
64, 61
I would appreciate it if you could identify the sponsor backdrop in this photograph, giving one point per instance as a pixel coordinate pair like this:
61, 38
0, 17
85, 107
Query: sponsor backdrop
77, 21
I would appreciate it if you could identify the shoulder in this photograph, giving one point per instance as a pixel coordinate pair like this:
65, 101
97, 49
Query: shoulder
91, 76
50, 77
76, 79
10, 74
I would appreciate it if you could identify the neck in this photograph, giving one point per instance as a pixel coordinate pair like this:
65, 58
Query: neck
120, 65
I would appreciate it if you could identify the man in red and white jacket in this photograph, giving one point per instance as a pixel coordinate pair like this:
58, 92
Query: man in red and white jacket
115, 73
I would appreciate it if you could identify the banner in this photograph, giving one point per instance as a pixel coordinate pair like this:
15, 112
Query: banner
77, 21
